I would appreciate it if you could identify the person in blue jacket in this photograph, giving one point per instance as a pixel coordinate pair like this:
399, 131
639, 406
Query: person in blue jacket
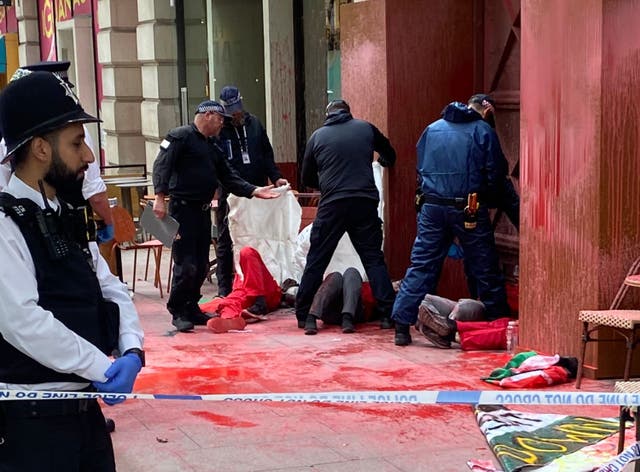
463, 173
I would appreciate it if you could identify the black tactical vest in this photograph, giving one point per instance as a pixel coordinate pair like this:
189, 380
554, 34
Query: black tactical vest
67, 286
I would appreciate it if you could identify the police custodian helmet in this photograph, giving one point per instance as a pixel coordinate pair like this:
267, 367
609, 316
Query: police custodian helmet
36, 104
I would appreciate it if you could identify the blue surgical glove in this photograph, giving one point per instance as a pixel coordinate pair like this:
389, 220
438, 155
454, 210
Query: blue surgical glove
105, 234
120, 377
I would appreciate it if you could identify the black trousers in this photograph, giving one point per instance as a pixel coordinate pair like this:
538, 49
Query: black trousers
54, 436
224, 249
190, 255
358, 217
338, 295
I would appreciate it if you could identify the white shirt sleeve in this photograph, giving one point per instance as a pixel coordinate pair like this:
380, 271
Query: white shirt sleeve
93, 183
27, 326
131, 334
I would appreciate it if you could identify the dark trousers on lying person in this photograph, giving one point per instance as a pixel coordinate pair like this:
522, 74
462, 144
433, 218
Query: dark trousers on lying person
54, 436
339, 295
358, 217
190, 256
224, 249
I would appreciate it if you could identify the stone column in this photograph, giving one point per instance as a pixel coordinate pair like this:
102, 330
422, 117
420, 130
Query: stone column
279, 72
157, 53
122, 88
28, 33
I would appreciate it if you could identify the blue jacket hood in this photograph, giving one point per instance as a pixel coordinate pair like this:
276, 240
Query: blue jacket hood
457, 112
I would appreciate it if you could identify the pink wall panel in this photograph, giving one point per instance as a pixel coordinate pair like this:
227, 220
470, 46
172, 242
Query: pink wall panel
560, 156
579, 153
400, 74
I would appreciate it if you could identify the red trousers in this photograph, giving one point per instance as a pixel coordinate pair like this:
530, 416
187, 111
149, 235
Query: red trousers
256, 281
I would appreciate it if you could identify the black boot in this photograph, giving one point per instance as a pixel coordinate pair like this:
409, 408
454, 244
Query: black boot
182, 324
386, 323
347, 324
310, 326
403, 337
259, 307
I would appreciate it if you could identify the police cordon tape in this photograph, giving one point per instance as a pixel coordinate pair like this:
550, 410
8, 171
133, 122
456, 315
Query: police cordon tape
422, 397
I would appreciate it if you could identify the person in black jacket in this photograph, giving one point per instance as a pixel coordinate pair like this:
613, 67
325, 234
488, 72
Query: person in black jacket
250, 153
188, 168
337, 160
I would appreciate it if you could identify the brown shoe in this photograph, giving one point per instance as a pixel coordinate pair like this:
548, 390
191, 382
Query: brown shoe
429, 317
435, 339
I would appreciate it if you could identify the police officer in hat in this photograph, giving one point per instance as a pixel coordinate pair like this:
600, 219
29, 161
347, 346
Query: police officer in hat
63, 312
249, 151
92, 188
189, 167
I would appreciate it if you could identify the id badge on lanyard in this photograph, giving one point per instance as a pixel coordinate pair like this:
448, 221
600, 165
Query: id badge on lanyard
244, 145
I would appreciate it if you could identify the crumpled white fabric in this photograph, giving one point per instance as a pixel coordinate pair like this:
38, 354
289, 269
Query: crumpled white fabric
270, 227
345, 255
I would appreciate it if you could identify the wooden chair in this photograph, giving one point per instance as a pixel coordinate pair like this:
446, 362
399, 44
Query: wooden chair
125, 240
627, 413
626, 323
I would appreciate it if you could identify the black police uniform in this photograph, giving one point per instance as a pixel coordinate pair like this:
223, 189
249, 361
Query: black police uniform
188, 168
249, 152
338, 160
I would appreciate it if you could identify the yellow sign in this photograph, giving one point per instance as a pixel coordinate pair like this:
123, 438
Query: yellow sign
47, 19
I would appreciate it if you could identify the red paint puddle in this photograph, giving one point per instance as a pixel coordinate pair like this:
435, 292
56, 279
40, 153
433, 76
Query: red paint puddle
221, 420
401, 414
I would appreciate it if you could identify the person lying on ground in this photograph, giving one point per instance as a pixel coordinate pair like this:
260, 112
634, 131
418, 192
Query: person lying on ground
342, 299
440, 319
255, 293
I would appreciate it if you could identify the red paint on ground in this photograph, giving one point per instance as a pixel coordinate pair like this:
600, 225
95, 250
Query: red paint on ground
221, 420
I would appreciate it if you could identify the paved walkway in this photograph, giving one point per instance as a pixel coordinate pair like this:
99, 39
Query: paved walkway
275, 356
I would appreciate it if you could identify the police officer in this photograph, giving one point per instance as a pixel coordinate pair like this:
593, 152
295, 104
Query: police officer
62, 311
337, 160
249, 151
463, 174
92, 188
188, 168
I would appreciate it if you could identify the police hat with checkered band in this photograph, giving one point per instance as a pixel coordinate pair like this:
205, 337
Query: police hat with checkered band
35, 105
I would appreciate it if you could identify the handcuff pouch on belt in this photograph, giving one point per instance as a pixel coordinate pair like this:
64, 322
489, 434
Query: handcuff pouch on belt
471, 211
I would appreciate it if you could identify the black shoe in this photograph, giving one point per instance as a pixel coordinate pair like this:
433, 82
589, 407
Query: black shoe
182, 324
403, 337
310, 326
259, 307
386, 323
301, 324
199, 318
347, 324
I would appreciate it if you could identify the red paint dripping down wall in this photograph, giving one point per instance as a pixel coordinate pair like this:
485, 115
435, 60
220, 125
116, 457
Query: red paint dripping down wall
580, 167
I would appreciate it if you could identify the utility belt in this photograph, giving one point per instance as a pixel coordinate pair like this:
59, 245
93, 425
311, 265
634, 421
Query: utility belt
468, 204
193, 204
45, 408
459, 202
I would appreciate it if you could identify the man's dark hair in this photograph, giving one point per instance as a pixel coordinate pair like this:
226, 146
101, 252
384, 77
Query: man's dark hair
335, 106
479, 98
21, 153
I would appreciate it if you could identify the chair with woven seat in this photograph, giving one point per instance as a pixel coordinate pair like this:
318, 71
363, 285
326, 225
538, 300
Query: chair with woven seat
628, 412
125, 240
625, 323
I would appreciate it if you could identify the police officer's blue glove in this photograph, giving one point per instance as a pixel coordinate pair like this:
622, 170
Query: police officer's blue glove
105, 234
120, 377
